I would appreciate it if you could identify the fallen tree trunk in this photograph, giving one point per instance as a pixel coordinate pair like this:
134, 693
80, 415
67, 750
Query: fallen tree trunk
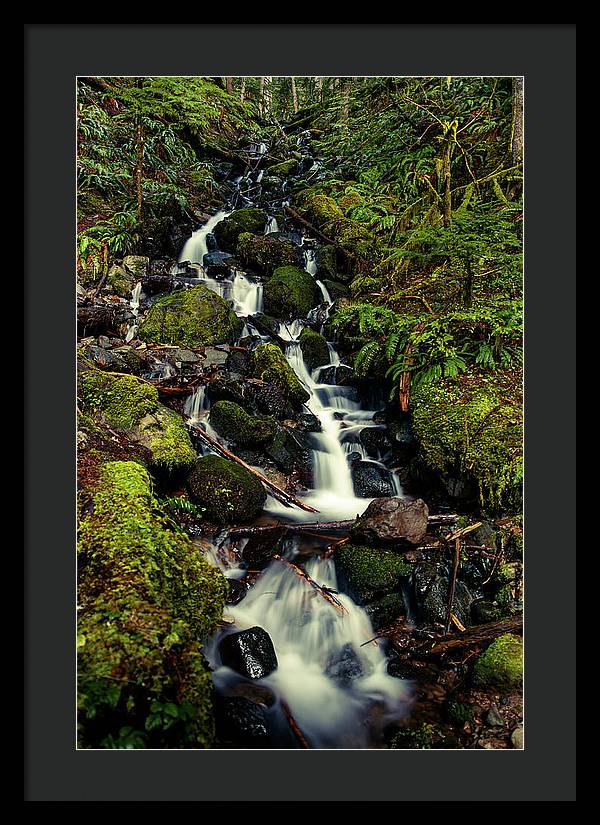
473, 637
303, 741
346, 524
323, 591
285, 498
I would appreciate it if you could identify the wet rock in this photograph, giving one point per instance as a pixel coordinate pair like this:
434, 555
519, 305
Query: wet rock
493, 717
383, 612
484, 611
228, 230
392, 519
308, 422
501, 664
288, 453
344, 666
236, 591
516, 737
234, 423
375, 440
269, 399
485, 535
222, 388
265, 253
336, 289
367, 573
340, 375
434, 606
259, 694
241, 723
260, 549
314, 348
249, 652
218, 265
177, 235
229, 492
119, 281
269, 365
136, 265
371, 480
161, 267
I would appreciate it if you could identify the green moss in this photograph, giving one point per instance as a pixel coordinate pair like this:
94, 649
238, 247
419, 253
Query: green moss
269, 364
123, 400
420, 738
229, 230
285, 168
501, 665
119, 281
314, 348
165, 435
264, 253
191, 317
336, 290
229, 492
147, 600
367, 570
324, 210
233, 422
326, 259
290, 293
471, 433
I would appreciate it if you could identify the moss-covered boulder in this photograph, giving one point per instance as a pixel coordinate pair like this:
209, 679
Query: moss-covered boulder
326, 260
290, 293
191, 317
147, 600
119, 281
284, 169
227, 491
229, 230
127, 403
314, 348
501, 665
269, 364
472, 438
323, 210
264, 253
234, 423
336, 290
368, 573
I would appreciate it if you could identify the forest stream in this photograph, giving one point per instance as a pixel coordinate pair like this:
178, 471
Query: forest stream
345, 588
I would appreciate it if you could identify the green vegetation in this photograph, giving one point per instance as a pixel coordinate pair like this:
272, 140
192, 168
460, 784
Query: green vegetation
234, 423
227, 491
501, 665
269, 364
147, 600
367, 570
265, 254
314, 348
290, 293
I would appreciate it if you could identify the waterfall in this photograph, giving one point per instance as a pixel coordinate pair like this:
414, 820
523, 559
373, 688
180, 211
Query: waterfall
272, 226
310, 264
309, 635
195, 247
134, 304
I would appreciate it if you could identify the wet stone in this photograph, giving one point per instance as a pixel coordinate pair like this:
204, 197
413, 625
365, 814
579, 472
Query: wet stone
249, 652
241, 722
344, 666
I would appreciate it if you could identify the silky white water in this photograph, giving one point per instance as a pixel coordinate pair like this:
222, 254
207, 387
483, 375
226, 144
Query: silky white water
195, 247
308, 633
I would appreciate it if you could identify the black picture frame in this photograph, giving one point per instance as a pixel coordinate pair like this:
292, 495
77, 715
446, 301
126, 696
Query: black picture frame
545, 55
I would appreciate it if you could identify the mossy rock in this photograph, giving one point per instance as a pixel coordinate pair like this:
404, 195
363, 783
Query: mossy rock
383, 612
336, 289
285, 168
127, 403
229, 492
269, 364
234, 423
147, 601
268, 321
264, 253
470, 437
119, 281
367, 572
290, 293
229, 229
501, 665
323, 210
191, 318
326, 260
314, 348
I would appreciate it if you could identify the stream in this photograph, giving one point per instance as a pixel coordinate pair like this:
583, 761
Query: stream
331, 673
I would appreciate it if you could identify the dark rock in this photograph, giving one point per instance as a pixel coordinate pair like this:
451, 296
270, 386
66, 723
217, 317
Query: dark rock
218, 265
336, 289
484, 611
366, 573
434, 606
270, 399
344, 666
339, 375
493, 717
391, 520
241, 723
308, 422
229, 492
259, 694
260, 549
371, 480
386, 610
249, 652
375, 440
237, 591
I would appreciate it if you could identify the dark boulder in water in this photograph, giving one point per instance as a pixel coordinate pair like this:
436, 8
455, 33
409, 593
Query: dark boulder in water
240, 722
391, 520
344, 666
249, 652
260, 549
371, 480
375, 440
237, 591
229, 492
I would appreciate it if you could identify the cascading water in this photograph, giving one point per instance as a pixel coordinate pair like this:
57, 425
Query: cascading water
309, 634
134, 304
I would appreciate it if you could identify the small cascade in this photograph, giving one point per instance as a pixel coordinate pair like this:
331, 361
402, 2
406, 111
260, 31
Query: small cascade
259, 177
134, 304
311, 638
195, 248
272, 226
310, 264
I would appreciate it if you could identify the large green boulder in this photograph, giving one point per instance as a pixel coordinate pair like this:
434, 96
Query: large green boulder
285, 168
265, 253
229, 229
290, 293
191, 317
147, 600
269, 365
368, 573
229, 493
128, 403
233, 422
314, 348
501, 665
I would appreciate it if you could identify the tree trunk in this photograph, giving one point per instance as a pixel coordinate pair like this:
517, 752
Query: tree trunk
345, 93
468, 287
319, 85
447, 180
139, 162
294, 95
516, 147
261, 95
243, 90
229, 85
268, 95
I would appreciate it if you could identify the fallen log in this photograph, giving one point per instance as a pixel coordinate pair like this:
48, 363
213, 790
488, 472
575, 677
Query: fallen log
323, 591
303, 741
472, 637
304, 222
346, 524
285, 498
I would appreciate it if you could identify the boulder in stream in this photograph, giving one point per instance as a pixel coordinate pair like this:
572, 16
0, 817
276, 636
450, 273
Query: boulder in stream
314, 348
392, 519
291, 293
240, 722
227, 491
234, 423
229, 230
269, 365
264, 253
249, 652
371, 480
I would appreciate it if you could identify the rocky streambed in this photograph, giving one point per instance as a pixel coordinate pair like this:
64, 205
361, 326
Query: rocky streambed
354, 615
